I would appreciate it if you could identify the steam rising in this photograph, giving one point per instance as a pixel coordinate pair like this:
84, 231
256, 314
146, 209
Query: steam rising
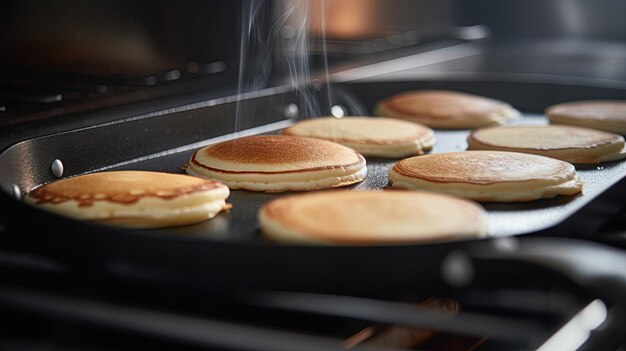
276, 33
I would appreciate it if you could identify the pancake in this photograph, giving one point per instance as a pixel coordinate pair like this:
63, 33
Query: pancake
488, 175
279, 163
133, 199
382, 137
366, 218
607, 115
446, 109
567, 143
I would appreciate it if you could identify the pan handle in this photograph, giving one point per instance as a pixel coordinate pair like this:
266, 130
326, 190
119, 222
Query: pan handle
595, 268
599, 268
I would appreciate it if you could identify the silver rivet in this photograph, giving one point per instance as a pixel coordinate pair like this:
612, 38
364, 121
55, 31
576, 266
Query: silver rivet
151, 81
172, 75
291, 111
17, 193
506, 244
337, 111
457, 269
57, 168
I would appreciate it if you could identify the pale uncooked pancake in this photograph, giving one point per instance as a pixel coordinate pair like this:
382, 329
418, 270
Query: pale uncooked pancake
362, 218
279, 163
488, 175
446, 109
567, 143
383, 137
608, 115
134, 199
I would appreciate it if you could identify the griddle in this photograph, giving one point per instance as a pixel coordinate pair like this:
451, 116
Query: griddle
228, 251
504, 219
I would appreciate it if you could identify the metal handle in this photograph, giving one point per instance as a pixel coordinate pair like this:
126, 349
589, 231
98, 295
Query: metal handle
599, 269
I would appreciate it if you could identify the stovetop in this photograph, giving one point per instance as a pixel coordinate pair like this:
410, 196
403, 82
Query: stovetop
527, 302
509, 293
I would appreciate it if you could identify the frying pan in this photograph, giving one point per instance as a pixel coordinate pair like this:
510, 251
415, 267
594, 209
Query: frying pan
226, 253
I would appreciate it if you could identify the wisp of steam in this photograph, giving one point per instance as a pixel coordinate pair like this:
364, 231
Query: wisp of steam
275, 38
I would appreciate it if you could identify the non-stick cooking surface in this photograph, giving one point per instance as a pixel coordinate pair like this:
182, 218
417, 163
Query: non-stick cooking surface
504, 218
228, 252
164, 141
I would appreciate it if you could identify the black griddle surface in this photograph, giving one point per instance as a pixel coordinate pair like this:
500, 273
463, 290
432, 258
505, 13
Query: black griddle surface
505, 219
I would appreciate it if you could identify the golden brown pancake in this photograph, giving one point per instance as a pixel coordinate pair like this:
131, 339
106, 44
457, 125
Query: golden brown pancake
279, 163
446, 109
567, 143
134, 199
383, 137
366, 218
608, 115
488, 175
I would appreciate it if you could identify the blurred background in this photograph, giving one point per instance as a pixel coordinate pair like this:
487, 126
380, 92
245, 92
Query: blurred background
65, 52
147, 37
